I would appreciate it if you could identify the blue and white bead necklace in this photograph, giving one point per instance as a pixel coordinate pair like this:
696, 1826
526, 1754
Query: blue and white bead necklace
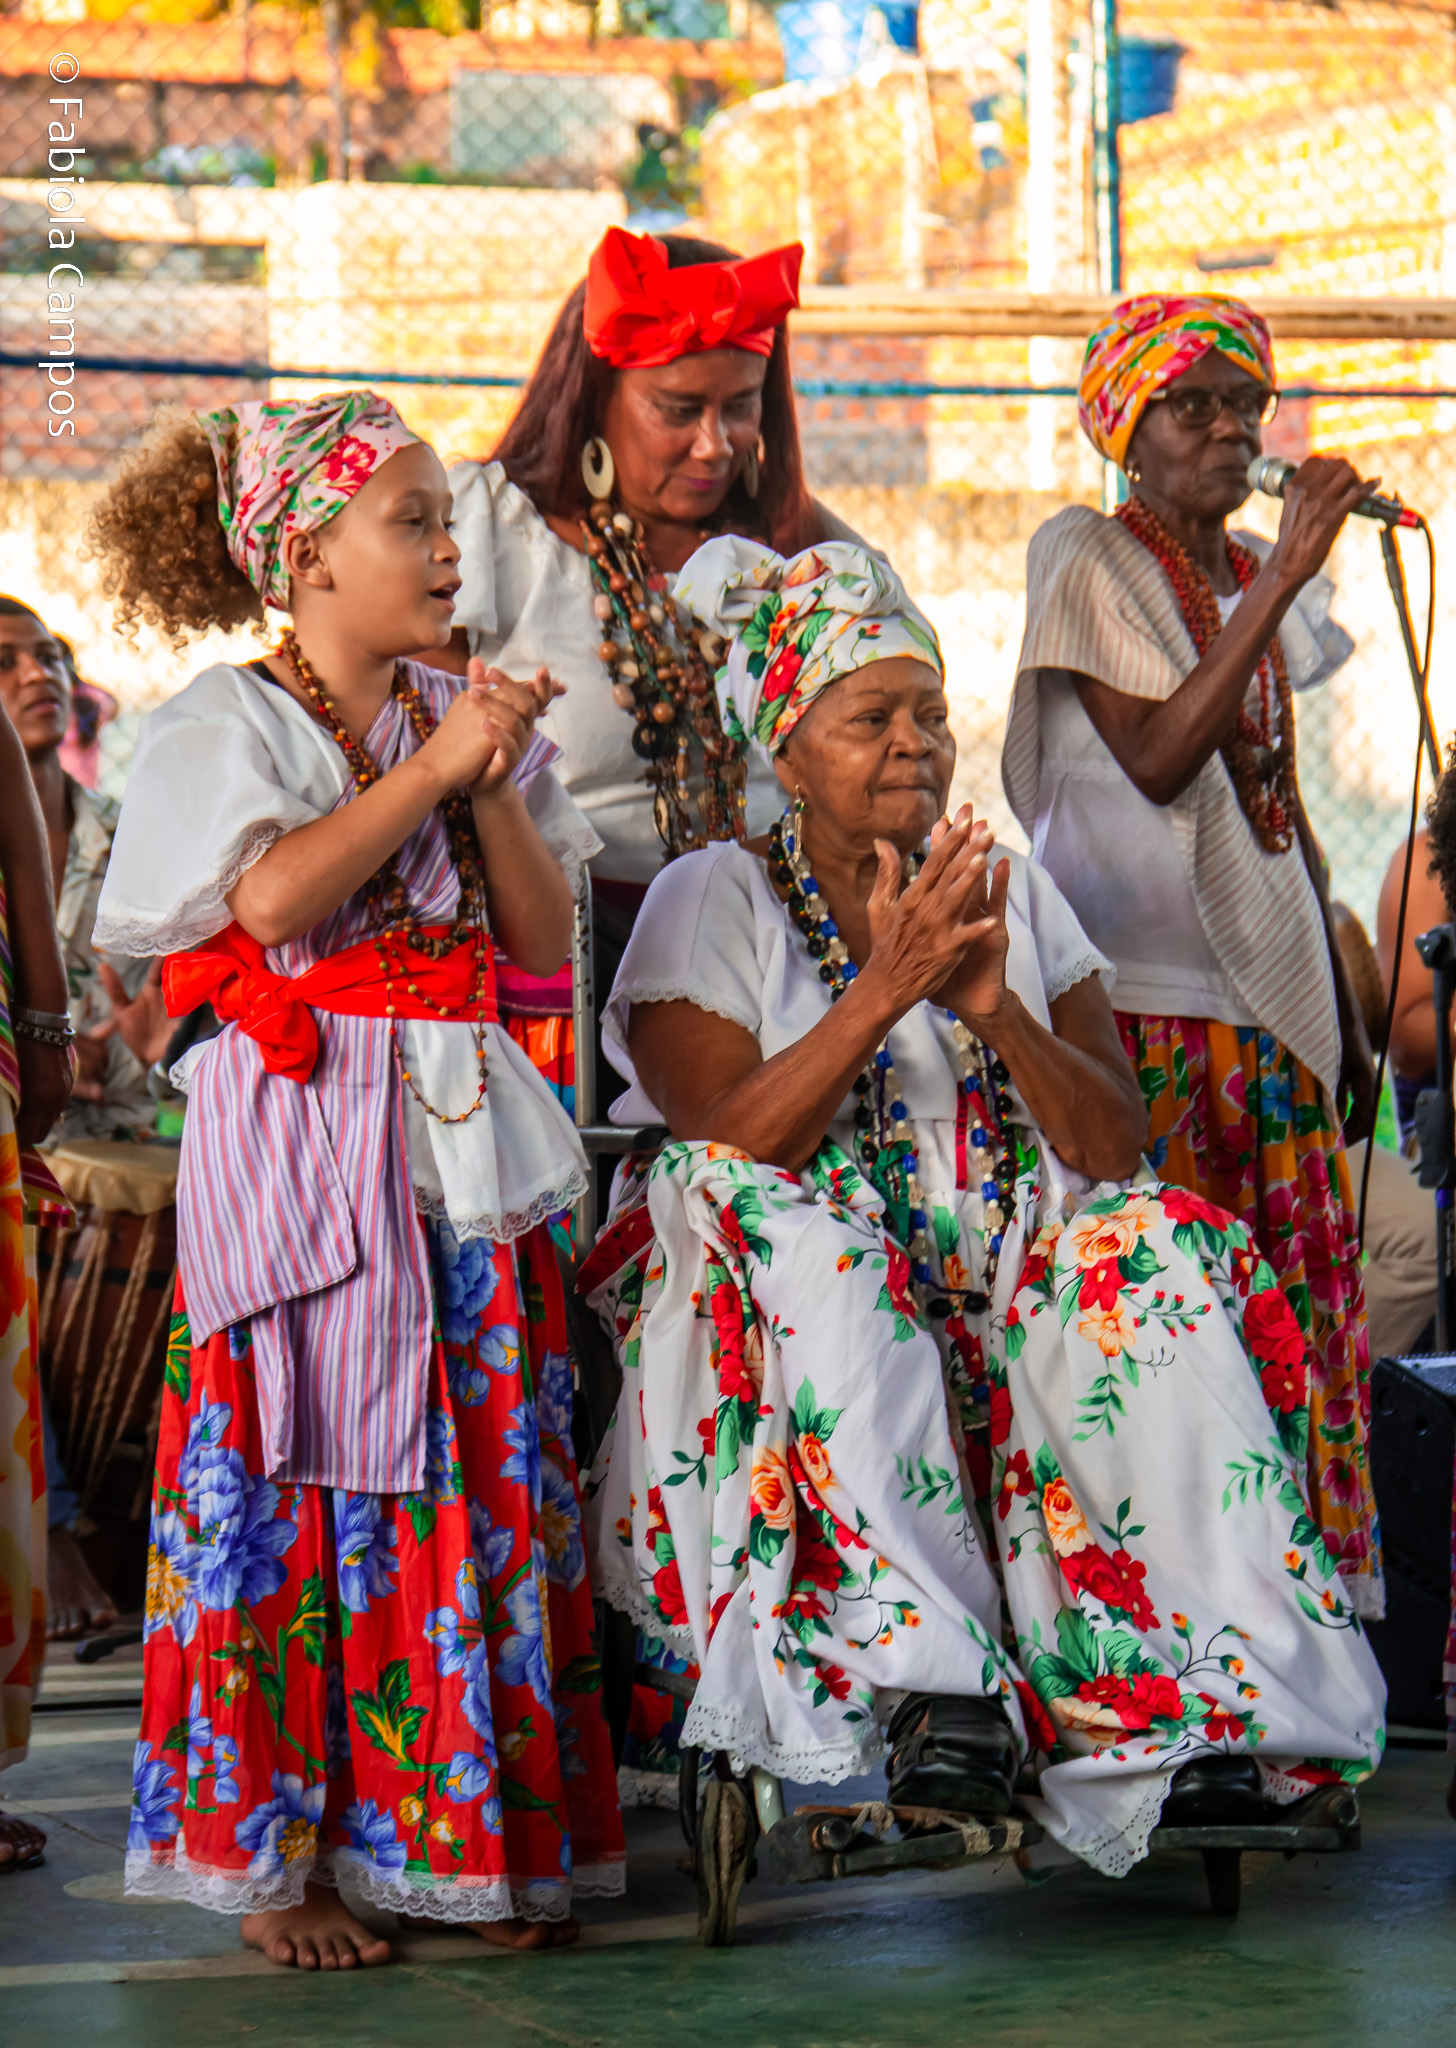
883, 1143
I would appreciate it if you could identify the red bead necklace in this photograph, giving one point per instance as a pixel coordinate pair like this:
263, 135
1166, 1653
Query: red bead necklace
1259, 754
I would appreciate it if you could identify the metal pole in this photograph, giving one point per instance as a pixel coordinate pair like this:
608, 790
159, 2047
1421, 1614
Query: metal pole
1106, 164
584, 1047
1107, 182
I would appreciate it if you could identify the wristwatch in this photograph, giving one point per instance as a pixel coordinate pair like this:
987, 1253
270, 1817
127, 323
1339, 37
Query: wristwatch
44, 1027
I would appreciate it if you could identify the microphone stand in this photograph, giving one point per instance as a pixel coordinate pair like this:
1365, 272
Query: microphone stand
1420, 668
1395, 577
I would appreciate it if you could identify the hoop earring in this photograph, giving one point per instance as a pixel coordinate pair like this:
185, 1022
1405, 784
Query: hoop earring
598, 471
750, 472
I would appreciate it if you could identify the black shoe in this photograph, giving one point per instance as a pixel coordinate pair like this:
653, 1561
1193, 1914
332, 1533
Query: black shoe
955, 1754
1216, 1791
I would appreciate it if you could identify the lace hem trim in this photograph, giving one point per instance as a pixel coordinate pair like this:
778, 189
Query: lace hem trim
445, 1899
649, 1788
1365, 1592
623, 998
713, 1728
516, 1222
1114, 1851
628, 1599
206, 914
1074, 971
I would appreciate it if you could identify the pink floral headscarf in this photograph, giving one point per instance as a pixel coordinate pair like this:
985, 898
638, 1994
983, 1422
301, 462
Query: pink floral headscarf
1148, 342
288, 467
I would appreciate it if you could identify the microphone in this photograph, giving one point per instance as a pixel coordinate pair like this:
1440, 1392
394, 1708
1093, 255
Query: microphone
1271, 474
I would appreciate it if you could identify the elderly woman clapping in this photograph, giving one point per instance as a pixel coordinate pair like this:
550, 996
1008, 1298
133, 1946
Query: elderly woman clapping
848, 1303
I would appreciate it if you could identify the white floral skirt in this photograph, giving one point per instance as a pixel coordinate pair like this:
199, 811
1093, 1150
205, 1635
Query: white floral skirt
782, 1491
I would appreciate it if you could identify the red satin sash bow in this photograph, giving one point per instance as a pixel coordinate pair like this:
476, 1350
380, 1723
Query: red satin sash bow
231, 972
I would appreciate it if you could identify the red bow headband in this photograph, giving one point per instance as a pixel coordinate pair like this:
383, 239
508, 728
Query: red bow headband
640, 313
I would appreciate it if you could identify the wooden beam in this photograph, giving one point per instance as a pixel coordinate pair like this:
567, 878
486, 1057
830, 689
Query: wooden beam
886, 309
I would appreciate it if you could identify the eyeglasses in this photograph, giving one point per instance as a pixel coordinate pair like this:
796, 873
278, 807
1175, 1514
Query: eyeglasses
1198, 406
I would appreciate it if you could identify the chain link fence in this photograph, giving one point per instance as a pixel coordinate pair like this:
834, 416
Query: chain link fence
271, 199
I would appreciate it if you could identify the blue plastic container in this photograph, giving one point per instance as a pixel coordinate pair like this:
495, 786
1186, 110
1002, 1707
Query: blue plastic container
822, 38
902, 19
1148, 77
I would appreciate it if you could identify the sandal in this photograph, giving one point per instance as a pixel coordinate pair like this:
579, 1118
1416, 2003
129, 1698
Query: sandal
955, 1754
18, 1833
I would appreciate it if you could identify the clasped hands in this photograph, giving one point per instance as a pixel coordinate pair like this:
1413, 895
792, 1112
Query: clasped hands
478, 744
943, 937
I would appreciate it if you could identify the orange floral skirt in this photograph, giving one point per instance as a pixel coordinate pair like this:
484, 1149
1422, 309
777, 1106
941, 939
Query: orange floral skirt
1236, 1118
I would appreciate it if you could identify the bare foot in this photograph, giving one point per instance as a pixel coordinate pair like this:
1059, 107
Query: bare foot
321, 1934
75, 1602
528, 1934
22, 1846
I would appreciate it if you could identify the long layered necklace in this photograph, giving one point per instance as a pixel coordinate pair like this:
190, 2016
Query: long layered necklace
392, 920
1259, 753
667, 690
883, 1142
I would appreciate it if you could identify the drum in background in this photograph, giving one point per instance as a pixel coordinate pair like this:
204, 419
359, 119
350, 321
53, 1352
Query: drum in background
107, 1283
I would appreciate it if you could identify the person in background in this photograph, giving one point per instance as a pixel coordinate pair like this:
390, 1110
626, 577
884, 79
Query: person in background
1412, 1054
1434, 866
116, 1010
118, 1018
1149, 756
36, 1067
1399, 1244
663, 404
92, 708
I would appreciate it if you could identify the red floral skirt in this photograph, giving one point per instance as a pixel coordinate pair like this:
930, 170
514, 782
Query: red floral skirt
400, 1689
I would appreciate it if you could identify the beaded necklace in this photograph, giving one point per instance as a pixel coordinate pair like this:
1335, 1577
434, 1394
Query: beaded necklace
386, 898
883, 1146
1259, 754
669, 693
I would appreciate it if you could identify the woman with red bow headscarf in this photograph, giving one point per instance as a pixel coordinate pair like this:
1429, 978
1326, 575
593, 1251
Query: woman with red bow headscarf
660, 412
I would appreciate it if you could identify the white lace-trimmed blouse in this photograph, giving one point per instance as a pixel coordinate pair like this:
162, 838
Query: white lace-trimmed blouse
713, 932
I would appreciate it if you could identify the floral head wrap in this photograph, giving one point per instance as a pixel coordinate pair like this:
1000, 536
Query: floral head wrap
796, 626
289, 467
1146, 344
640, 312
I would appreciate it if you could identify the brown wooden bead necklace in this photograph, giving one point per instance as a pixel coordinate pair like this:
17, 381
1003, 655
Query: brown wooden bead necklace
668, 690
1259, 754
385, 896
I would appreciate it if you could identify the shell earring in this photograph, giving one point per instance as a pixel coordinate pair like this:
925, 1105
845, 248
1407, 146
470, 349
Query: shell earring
750, 470
598, 471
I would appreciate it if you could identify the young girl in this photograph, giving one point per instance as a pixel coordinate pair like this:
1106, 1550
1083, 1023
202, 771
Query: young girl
368, 1626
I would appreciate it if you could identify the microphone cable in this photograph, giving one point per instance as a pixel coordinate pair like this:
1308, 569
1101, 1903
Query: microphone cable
1420, 673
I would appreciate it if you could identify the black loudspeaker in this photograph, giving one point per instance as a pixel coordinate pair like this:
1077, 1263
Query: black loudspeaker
1412, 1449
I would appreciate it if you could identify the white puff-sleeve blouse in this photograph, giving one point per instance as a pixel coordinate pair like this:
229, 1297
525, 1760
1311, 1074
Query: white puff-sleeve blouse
713, 932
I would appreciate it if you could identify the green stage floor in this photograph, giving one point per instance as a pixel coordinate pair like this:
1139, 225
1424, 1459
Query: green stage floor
1337, 1950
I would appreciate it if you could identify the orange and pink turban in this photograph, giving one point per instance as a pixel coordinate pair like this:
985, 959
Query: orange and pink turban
640, 312
1148, 342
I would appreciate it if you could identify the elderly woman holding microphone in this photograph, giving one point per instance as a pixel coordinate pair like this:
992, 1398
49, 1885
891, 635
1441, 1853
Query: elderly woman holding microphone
890, 1262
1150, 757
